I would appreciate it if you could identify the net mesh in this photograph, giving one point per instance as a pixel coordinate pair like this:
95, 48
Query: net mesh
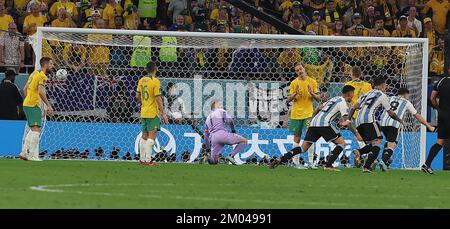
97, 116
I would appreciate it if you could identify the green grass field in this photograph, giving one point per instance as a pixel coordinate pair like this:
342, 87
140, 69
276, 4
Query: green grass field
103, 184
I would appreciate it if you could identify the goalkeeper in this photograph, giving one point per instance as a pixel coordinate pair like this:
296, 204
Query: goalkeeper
217, 136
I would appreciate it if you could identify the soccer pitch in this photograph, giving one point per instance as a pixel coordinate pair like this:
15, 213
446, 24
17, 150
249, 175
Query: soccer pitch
106, 184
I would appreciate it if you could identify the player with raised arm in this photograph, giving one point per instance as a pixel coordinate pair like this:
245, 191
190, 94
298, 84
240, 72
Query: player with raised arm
361, 88
440, 98
302, 90
368, 126
34, 91
152, 108
217, 136
323, 125
390, 127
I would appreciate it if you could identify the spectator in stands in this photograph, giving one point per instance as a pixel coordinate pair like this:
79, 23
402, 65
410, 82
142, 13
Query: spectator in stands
285, 6
63, 20
403, 30
70, 7
118, 22
95, 15
131, 19
297, 23
33, 20
247, 26
110, 12
11, 10
74, 56
429, 33
330, 15
338, 29
379, 26
179, 24
42, 4
12, 52
99, 55
297, 10
200, 19
388, 9
369, 19
437, 59
413, 22
176, 7
316, 25
5, 19
10, 98
439, 10
289, 58
357, 29
95, 6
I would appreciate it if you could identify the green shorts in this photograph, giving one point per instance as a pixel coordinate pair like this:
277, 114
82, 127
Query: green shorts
296, 126
34, 116
149, 124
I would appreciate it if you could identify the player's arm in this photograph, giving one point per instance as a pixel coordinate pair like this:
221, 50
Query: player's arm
292, 94
394, 116
355, 107
424, 122
138, 98
433, 98
230, 122
317, 110
349, 124
25, 88
161, 109
43, 96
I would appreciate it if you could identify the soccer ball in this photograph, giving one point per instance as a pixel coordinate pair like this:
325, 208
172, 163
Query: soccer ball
61, 74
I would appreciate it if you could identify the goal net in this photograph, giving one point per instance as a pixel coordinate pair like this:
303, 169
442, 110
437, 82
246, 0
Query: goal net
97, 116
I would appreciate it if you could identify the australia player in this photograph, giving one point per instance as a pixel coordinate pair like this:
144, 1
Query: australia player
303, 90
368, 126
152, 109
34, 91
390, 127
361, 88
217, 134
324, 124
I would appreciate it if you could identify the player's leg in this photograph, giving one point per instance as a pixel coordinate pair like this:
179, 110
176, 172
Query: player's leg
234, 139
330, 134
143, 141
154, 126
374, 136
443, 134
216, 148
311, 150
32, 139
296, 128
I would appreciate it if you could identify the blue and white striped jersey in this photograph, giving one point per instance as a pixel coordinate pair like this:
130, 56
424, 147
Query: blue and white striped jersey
333, 109
399, 105
369, 104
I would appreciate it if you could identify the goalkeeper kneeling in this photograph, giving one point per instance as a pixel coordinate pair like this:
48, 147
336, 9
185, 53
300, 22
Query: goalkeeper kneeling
217, 135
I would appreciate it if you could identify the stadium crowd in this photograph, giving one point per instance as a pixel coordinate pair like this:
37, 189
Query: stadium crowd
381, 18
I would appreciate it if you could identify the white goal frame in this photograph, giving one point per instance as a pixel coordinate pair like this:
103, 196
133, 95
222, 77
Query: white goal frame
37, 45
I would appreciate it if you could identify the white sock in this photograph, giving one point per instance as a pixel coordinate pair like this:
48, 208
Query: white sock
311, 155
142, 143
34, 144
296, 158
26, 145
149, 152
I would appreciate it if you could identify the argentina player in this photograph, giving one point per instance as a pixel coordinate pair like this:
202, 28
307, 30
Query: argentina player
323, 125
368, 127
390, 127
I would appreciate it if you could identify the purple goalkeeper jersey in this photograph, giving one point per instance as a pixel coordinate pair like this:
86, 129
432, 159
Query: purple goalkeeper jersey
217, 120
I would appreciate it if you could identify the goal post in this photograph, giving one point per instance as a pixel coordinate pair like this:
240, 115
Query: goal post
250, 73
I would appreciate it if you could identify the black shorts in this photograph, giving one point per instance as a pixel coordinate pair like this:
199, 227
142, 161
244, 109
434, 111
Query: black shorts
443, 126
391, 133
328, 133
369, 131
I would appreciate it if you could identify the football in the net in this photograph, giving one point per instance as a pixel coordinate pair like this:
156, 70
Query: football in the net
61, 74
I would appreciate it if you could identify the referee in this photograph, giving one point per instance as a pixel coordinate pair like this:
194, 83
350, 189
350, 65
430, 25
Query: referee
441, 91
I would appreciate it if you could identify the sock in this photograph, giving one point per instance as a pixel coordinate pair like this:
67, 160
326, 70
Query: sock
387, 154
365, 150
26, 145
334, 155
34, 144
373, 155
432, 154
142, 149
149, 150
238, 148
290, 154
296, 158
311, 155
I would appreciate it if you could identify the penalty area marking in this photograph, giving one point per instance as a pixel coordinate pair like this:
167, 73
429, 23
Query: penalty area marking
60, 188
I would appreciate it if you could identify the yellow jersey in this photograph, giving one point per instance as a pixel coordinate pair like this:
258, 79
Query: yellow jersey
440, 11
36, 78
303, 102
149, 88
30, 19
361, 88
70, 7
58, 23
110, 12
5, 20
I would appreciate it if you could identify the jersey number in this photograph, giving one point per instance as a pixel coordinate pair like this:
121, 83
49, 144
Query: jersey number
327, 108
369, 101
144, 94
394, 105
